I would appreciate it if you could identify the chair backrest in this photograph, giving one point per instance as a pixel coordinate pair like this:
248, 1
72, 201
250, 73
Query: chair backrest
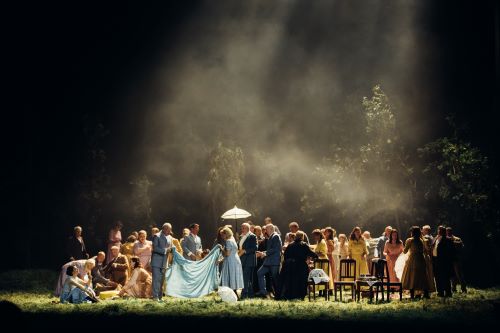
323, 264
347, 269
380, 269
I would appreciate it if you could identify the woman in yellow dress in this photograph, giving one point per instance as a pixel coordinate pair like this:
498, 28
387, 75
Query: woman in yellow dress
358, 251
322, 251
330, 245
320, 248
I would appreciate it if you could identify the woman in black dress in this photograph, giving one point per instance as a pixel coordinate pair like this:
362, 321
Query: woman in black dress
294, 273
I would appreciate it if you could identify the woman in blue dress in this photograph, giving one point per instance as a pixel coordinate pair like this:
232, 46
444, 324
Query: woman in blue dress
231, 273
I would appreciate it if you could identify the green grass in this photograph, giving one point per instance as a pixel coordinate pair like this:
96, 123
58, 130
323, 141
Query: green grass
479, 305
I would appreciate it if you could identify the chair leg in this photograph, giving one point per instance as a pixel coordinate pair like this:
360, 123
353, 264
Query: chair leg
335, 292
309, 292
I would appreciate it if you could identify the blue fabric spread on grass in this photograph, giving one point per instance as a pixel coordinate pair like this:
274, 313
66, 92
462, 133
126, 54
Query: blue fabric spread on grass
191, 279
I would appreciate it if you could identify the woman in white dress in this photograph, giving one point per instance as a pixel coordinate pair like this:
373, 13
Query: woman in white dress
232, 272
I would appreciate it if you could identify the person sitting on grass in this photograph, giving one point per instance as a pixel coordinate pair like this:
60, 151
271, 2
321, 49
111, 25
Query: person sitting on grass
75, 290
139, 284
84, 266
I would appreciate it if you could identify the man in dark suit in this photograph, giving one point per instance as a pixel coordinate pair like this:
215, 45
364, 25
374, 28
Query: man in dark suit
75, 246
458, 271
272, 260
247, 252
442, 259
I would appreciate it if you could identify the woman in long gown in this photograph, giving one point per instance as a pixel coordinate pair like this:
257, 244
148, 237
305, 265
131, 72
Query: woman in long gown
392, 249
357, 250
415, 272
330, 246
294, 272
232, 272
114, 239
139, 285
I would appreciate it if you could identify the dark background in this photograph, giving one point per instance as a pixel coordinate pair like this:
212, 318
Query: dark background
67, 61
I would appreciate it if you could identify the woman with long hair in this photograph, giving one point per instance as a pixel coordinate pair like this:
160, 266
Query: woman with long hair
392, 249
357, 250
320, 246
139, 285
330, 245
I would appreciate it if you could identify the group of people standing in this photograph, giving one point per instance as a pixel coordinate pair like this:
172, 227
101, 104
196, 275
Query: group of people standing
257, 262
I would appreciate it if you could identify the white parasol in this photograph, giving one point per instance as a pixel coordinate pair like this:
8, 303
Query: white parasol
235, 214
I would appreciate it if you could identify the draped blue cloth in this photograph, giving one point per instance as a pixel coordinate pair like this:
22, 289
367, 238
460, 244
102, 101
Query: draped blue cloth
191, 279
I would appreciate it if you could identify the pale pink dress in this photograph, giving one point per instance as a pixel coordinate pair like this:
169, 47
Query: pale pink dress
114, 239
143, 251
392, 252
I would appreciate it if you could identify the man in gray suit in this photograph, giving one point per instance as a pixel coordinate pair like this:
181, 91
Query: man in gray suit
247, 249
272, 260
191, 244
162, 244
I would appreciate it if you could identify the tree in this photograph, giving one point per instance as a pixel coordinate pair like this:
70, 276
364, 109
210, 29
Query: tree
94, 186
141, 202
225, 179
456, 179
387, 167
360, 182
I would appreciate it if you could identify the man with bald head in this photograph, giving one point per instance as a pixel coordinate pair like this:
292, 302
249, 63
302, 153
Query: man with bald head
162, 245
379, 251
247, 251
272, 260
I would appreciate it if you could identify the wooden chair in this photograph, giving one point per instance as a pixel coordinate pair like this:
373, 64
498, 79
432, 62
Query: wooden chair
347, 276
323, 264
380, 270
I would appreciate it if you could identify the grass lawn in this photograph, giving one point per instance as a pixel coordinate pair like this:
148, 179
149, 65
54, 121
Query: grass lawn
31, 292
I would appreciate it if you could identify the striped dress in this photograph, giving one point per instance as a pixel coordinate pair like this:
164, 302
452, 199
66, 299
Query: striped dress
232, 273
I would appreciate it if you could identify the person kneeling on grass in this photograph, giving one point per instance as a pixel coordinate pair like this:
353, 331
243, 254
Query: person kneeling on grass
75, 290
139, 284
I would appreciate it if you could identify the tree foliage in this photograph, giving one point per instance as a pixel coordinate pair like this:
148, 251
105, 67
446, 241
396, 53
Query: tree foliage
141, 202
225, 182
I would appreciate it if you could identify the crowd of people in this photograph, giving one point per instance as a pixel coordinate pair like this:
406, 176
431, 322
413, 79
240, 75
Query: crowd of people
256, 262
